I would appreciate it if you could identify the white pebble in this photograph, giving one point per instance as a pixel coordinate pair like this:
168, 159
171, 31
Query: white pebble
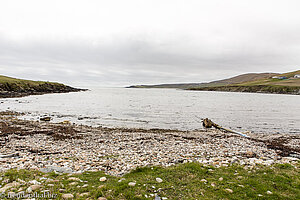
102, 179
159, 180
131, 183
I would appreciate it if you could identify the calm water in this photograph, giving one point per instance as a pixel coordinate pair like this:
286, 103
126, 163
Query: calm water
165, 108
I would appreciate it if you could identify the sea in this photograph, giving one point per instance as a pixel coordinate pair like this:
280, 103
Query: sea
164, 109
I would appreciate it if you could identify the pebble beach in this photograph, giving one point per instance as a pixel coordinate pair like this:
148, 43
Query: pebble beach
71, 148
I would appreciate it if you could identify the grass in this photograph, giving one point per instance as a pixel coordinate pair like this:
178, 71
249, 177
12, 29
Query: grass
5, 79
265, 85
183, 181
276, 82
20, 85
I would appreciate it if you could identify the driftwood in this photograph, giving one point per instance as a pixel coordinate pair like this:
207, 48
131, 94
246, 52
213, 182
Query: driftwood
45, 119
10, 155
207, 123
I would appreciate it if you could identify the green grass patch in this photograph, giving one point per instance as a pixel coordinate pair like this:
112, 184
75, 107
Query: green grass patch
183, 181
20, 85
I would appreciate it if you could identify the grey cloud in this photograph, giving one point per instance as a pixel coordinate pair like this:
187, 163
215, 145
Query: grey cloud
139, 60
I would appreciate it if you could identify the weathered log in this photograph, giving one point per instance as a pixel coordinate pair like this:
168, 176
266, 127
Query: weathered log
10, 155
46, 119
207, 123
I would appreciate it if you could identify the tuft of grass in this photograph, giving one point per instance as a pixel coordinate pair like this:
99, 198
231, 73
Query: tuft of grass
182, 181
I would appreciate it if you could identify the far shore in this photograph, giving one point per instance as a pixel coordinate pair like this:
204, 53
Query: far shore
262, 89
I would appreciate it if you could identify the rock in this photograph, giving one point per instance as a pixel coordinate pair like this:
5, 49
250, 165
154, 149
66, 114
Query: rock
5, 180
157, 197
102, 198
14, 184
213, 184
29, 190
85, 185
3, 189
102, 179
45, 119
252, 161
159, 180
203, 180
65, 122
64, 170
21, 181
73, 179
35, 187
289, 159
67, 196
269, 162
73, 183
269, 192
229, 190
250, 154
221, 179
49, 180
84, 194
101, 186
122, 179
34, 182
9, 185
131, 183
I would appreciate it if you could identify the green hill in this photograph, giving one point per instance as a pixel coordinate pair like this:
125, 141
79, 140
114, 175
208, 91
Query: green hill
251, 82
13, 87
290, 81
289, 85
233, 80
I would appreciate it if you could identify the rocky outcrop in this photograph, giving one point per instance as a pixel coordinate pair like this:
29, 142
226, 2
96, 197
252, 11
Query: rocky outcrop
15, 89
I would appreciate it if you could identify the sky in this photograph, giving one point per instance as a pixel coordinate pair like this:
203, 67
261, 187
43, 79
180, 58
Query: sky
121, 43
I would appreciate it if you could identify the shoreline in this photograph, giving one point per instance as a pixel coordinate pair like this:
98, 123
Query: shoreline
257, 89
117, 151
12, 87
261, 89
13, 94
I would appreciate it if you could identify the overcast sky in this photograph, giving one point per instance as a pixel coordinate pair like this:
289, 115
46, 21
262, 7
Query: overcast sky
124, 42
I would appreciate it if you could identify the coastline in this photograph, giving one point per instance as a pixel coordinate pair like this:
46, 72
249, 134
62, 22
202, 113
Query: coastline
15, 94
117, 151
12, 87
263, 89
266, 89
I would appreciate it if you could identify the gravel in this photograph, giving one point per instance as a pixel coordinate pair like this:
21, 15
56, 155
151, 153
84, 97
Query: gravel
66, 148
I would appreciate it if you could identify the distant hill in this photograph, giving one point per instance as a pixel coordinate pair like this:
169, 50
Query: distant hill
233, 80
245, 78
13, 87
290, 81
251, 82
288, 85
